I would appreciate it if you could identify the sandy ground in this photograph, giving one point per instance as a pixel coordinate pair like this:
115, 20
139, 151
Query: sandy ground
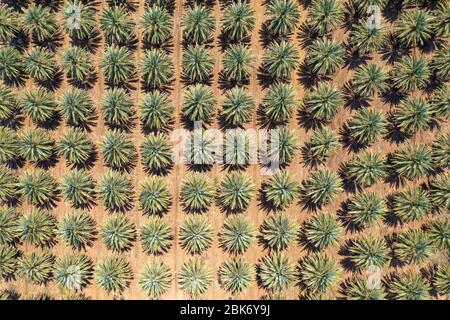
214, 256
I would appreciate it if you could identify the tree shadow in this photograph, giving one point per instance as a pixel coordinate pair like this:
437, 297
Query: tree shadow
52, 123
348, 141
393, 50
49, 162
91, 43
309, 159
391, 219
306, 35
347, 264
395, 133
89, 83
307, 121
348, 223
304, 243
308, 78
54, 83
353, 100
393, 178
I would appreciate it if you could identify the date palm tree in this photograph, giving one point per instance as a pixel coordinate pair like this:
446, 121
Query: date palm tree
113, 274
413, 246
117, 107
440, 279
236, 275
8, 185
40, 64
36, 145
323, 230
36, 267
237, 62
237, 148
279, 102
194, 277
197, 192
117, 64
197, 63
77, 229
280, 59
411, 73
360, 288
439, 191
9, 226
157, 68
73, 271
37, 227
76, 63
156, 152
156, 110
118, 149
412, 204
78, 187
441, 19
409, 286
117, 24
279, 231
237, 106
83, 26
367, 168
235, 192
325, 16
238, 20
286, 144
367, 39
8, 103
280, 190
367, 125
319, 272
76, 105
367, 208
75, 146
323, 143
116, 191
321, 187
414, 28
439, 233
39, 22
276, 272
118, 233
440, 103
283, 17
155, 197
156, 236
12, 64
412, 162
199, 24
38, 187
237, 235
156, 24
9, 147
325, 56
199, 103
155, 279
413, 115
441, 63
369, 251
370, 80
8, 261
200, 149
196, 235
323, 102
38, 104
9, 23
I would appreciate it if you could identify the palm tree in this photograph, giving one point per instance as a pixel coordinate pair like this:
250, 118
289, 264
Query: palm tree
8, 261
440, 103
194, 277
8, 144
237, 235
155, 279
413, 246
412, 162
196, 235
40, 64
441, 18
413, 115
118, 233
367, 169
39, 22
280, 190
323, 143
75, 146
279, 102
200, 148
439, 191
280, 59
412, 204
8, 103
278, 231
237, 62
414, 28
360, 288
76, 105
156, 24
238, 20
156, 236
199, 103
157, 68
319, 272
323, 102
11, 63
36, 267
322, 187
236, 275
9, 23
235, 192
286, 144
369, 251
325, 16
9, 226
113, 274
117, 24
237, 148
155, 197
73, 271
283, 17
117, 107
367, 125
78, 187
84, 26
38, 104
37, 228
77, 229
199, 24
117, 64
439, 233
365, 39
76, 63
370, 80
156, 152
156, 110
411, 73
118, 149
409, 286
38, 187
237, 106
8, 183
276, 272
367, 208
440, 279
323, 230
441, 63
197, 63
325, 56
115, 190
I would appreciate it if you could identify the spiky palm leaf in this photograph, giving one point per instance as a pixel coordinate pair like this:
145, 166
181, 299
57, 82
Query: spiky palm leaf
9, 226
280, 59
237, 148
325, 56
113, 274
238, 20
414, 28
325, 16
8, 103
411, 73
235, 192
157, 68
367, 125
322, 187
156, 152
196, 235
40, 64
38, 187
199, 24
442, 279
412, 162
279, 231
73, 271
412, 204
441, 19
118, 233
440, 103
199, 103
361, 288
76, 63
11, 63
279, 102
368, 252
367, 209
156, 236
237, 62
8, 260
323, 102
323, 143
323, 230
194, 277
155, 279
118, 149
319, 273
276, 272
441, 63
439, 233
237, 106
285, 142
9, 146
155, 197
36, 145
281, 189
370, 80
77, 229
156, 24
38, 104
117, 107
39, 22
8, 185
413, 246
115, 190
36, 267
117, 24
236, 275
76, 105
413, 115
440, 191
75, 146
197, 63
156, 110
78, 187
37, 227
367, 169
409, 286
367, 39
237, 235
117, 64
283, 17
8, 24
201, 147
83, 25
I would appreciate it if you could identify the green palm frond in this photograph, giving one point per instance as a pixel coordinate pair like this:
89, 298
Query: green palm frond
370, 80
237, 235
11, 63
237, 106
441, 19
156, 110
413, 246
156, 152
115, 190
9, 226
118, 149
37, 227
411, 73
84, 25
324, 101
237, 62
323, 230
442, 279
325, 16
8, 261
36, 267
323, 143
367, 208
325, 56
77, 229
440, 191
367, 125
412, 162
441, 63
8, 103
362, 5
38, 104
367, 39
117, 24
235, 192
113, 274
369, 252
9, 144
237, 148
117, 107
283, 17
40, 64
197, 63
409, 286
73, 271
285, 144
157, 68
39, 22
75, 146
76, 63
38, 187
414, 28
413, 115
236, 275
361, 288
194, 277
201, 148
439, 233
279, 231
322, 187
279, 102
276, 272
8, 185
199, 24
155, 197
156, 24
280, 59
196, 235
238, 20
319, 273
76, 105
117, 64
412, 204
367, 168
155, 279
281, 189
9, 23
156, 236
118, 233
440, 102
78, 187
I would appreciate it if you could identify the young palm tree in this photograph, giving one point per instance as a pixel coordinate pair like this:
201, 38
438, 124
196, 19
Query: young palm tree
116, 191
237, 148
8, 185
276, 272
78, 187
441, 279
199, 103
197, 63
235, 192
324, 101
38, 187
367, 169
323, 143
155, 197
439, 191
278, 231
156, 152
325, 56
412, 162
370, 80
9, 227
83, 27
40, 64
237, 62
323, 230
38, 104
117, 24
441, 63
360, 288
412, 204
11, 63
194, 277
156, 24
237, 106
367, 125
73, 271
39, 22
367, 209
286, 144
37, 228
77, 229
199, 24
9, 23
76, 63
280, 190
8, 103
369, 251
75, 146
322, 187
117, 107
76, 105
117, 64
155, 279
440, 103
238, 20
414, 28
9, 147
283, 17
439, 233
156, 236
442, 17
413, 247
411, 73
156, 110
413, 115
280, 59
157, 68
279, 102
236, 275
325, 16
118, 149
36, 267
196, 235
8, 260
366, 39
113, 274
200, 148
118, 233
237, 235
319, 273
409, 286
